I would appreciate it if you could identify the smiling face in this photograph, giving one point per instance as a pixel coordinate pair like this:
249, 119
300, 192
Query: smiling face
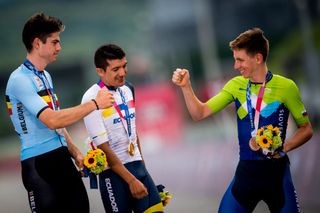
246, 64
115, 73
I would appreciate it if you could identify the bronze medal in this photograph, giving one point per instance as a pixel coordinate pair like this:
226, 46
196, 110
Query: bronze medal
131, 148
253, 144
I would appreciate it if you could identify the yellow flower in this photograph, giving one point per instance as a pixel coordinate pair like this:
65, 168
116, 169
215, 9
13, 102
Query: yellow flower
264, 142
270, 127
95, 161
276, 130
260, 132
90, 161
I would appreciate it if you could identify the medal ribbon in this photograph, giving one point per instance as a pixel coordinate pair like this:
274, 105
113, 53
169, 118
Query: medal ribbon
46, 85
254, 122
126, 122
45, 82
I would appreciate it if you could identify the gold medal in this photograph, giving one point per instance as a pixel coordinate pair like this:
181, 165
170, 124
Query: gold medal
253, 144
131, 148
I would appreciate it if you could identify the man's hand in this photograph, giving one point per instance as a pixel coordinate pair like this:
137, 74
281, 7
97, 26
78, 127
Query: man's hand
78, 159
181, 77
104, 98
138, 190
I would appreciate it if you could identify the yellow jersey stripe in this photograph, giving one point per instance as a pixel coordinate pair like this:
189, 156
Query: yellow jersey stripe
155, 208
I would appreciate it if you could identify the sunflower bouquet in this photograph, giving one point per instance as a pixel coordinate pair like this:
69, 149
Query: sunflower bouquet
95, 161
269, 140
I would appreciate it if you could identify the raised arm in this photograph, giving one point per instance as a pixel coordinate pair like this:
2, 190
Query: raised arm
197, 109
65, 117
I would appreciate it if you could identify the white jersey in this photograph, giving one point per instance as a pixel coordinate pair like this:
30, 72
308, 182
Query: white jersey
106, 125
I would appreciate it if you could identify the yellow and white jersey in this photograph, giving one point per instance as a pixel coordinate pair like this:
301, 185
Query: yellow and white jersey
114, 124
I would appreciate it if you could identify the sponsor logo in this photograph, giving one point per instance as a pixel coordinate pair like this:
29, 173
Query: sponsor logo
38, 82
281, 119
32, 202
111, 195
21, 118
118, 120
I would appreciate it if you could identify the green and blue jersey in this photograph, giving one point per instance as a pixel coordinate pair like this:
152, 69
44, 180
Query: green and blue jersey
281, 97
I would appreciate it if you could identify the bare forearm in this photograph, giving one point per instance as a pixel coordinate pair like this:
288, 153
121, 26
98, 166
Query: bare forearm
197, 109
73, 149
300, 137
65, 117
139, 147
115, 164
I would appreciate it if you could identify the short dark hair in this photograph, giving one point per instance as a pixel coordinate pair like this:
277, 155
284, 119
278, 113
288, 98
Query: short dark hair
40, 26
253, 41
107, 52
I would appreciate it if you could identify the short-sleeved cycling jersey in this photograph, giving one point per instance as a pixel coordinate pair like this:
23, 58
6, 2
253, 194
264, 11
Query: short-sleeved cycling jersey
27, 97
106, 125
257, 177
281, 97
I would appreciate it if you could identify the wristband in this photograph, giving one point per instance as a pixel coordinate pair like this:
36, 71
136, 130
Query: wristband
95, 102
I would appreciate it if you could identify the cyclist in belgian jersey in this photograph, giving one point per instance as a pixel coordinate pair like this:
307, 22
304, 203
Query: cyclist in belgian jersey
49, 175
263, 102
126, 185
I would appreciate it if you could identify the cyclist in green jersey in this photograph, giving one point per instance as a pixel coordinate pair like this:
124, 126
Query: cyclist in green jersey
263, 103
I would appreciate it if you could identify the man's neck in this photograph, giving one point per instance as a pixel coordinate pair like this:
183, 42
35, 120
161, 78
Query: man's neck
259, 75
37, 62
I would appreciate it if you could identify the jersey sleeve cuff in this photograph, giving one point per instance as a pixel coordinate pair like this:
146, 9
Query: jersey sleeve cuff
41, 110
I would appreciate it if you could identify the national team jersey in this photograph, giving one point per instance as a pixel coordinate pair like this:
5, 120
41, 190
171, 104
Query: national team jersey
27, 97
281, 97
106, 125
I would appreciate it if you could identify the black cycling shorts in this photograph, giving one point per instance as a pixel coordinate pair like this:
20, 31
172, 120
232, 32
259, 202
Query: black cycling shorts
116, 195
54, 184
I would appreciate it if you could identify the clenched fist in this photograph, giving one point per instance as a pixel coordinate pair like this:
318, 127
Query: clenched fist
181, 77
104, 98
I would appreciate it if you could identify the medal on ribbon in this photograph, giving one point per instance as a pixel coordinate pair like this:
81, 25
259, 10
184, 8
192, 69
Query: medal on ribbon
125, 120
131, 149
253, 144
254, 121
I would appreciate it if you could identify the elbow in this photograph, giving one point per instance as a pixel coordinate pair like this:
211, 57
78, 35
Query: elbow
309, 133
197, 118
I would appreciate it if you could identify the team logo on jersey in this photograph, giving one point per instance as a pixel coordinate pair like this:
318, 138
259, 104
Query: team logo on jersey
9, 105
38, 82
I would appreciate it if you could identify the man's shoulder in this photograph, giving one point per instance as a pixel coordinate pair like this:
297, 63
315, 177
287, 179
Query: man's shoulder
18, 77
236, 83
129, 86
282, 79
90, 93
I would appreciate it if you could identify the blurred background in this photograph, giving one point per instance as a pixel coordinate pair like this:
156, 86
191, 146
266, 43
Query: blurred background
195, 161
